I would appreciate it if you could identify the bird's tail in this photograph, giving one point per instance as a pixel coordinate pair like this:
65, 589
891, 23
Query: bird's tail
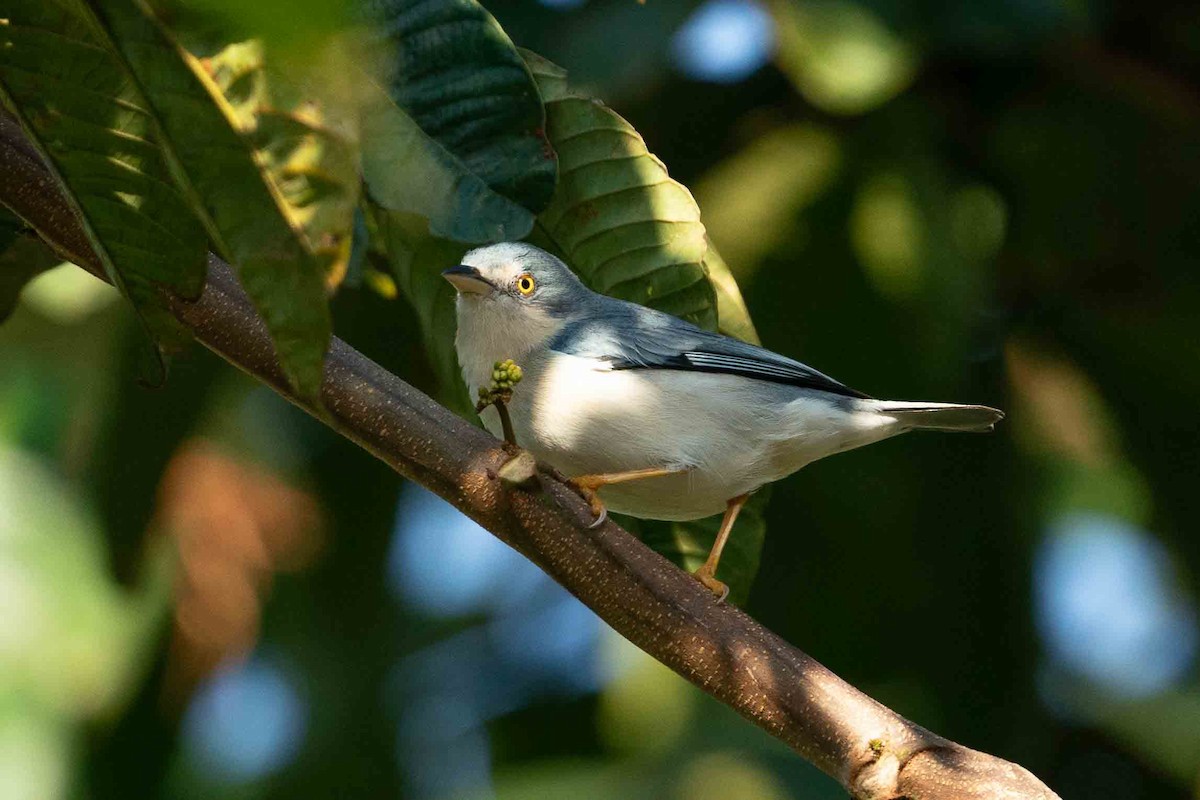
940, 416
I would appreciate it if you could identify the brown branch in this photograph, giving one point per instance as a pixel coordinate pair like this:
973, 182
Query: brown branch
871, 750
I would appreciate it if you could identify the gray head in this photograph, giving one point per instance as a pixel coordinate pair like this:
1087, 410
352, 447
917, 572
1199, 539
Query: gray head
518, 279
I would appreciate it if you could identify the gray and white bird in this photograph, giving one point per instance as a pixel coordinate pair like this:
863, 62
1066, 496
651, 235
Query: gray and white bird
664, 420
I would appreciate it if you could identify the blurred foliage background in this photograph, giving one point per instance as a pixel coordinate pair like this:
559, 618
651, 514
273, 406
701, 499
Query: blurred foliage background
204, 593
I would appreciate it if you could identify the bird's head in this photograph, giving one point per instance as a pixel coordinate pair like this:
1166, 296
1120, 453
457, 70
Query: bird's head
518, 280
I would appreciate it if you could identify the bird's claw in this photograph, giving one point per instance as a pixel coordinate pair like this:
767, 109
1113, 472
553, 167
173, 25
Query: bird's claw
588, 493
706, 577
600, 517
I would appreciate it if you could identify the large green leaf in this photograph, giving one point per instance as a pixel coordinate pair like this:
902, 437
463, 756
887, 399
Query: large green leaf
82, 111
455, 132
409, 173
22, 257
455, 72
275, 187
621, 222
617, 217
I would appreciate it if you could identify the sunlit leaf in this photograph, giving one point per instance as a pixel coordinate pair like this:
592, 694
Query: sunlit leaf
617, 217
80, 108
733, 317
22, 257
275, 184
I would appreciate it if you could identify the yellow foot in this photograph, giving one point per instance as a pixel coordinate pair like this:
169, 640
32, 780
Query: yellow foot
705, 576
586, 486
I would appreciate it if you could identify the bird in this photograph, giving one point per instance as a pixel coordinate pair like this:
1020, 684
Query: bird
647, 414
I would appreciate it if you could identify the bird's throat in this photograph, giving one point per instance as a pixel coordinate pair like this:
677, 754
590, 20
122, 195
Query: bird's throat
491, 330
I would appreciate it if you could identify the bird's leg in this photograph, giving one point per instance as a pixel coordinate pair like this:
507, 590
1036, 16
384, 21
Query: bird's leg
707, 574
587, 485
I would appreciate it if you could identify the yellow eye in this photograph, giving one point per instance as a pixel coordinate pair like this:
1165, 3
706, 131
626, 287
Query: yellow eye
526, 284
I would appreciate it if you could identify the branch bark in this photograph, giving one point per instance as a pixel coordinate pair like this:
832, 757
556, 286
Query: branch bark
872, 751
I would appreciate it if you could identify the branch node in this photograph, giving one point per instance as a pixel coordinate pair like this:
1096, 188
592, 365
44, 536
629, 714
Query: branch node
879, 776
520, 471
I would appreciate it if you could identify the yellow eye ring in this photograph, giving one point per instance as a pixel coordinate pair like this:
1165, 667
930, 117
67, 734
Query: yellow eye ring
526, 284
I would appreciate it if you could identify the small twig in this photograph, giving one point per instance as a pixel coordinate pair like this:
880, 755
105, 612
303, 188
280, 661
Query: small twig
505, 421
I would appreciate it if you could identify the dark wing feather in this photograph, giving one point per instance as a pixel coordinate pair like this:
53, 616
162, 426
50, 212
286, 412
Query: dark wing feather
632, 337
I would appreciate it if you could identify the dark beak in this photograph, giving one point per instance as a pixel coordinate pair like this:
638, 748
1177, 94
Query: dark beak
468, 280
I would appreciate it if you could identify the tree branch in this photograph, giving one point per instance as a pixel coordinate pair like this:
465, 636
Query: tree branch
872, 751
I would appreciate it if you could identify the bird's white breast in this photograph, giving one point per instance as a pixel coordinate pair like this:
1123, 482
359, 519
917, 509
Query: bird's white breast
727, 435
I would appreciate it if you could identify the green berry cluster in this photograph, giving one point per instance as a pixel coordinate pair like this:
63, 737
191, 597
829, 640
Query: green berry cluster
505, 375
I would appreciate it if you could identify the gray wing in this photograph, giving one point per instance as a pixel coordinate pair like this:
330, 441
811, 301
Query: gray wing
631, 337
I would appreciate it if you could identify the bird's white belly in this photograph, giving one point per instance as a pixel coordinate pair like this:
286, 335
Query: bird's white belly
727, 435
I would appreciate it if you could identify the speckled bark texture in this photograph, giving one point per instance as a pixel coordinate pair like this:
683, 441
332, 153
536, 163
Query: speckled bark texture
869, 749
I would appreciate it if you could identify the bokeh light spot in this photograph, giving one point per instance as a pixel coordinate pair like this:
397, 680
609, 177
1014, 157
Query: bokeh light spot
978, 221
842, 57
728, 776
444, 564
724, 41
34, 750
888, 235
246, 723
67, 294
1108, 609
646, 708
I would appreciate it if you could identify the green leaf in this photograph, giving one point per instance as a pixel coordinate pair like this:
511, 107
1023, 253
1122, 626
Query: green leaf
274, 183
22, 258
451, 68
621, 222
733, 317
82, 111
617, 217
408, 172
